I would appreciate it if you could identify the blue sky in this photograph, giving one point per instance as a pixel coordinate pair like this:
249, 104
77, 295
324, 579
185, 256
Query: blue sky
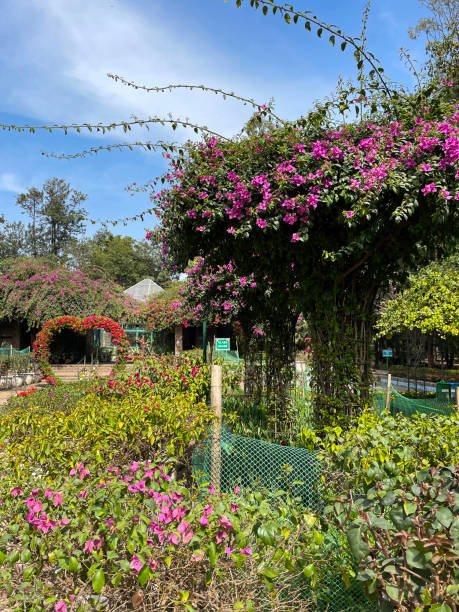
59, 52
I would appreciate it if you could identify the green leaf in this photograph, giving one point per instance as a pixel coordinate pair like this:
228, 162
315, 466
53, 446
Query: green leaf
213, 555
410, 507
98, 580
309, 570
392, 591
269, 573
357, 544
144, 575
238, 605
440, 608
444, 516
415, 558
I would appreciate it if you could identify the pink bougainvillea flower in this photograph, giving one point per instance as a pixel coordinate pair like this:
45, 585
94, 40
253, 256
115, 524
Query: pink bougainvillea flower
153, 564
60, 606
229, 550
430, 188
237, 490
349, 214
136, 564
204, 520
226, 523
57, 499
234, 507
220, 536
16, 491
184, 528
246, 551
211, 490
197, 556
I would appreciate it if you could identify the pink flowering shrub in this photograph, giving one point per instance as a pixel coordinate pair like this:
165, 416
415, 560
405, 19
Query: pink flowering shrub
36, 293
135, 534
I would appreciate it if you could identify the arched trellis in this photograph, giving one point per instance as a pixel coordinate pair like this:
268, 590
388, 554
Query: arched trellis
41, 346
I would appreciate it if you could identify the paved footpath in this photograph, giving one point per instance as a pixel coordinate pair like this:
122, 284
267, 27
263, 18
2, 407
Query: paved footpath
7, 393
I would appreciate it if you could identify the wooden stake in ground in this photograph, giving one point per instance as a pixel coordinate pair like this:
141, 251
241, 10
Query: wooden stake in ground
389, 377
457, 399
216, 403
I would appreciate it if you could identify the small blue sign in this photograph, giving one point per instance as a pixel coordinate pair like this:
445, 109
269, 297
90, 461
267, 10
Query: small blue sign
387, 353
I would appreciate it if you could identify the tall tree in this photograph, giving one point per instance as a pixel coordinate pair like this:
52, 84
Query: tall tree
441, 30
120, 258
12, 239
56, 217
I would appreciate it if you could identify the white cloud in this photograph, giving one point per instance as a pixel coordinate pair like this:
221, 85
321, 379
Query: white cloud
10, 182
63, 50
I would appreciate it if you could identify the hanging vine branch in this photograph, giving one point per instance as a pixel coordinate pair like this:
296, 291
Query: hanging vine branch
261, 108
361, 55
108, 127
146, 146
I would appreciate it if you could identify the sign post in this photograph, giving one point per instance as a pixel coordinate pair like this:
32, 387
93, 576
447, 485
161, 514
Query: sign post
387, 353
222, 344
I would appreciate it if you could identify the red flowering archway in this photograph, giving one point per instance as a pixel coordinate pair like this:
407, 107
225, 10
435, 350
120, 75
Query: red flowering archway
82, 325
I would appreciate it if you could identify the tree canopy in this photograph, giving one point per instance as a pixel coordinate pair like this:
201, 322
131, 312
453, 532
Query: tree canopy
56, 217
429, 304
120, 259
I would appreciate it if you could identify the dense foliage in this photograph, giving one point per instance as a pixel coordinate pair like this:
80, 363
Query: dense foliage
33, 293
41, 345
430, 303
154, 410
405, 539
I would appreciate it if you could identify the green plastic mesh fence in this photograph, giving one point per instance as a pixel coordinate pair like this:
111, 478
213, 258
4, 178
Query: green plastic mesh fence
230, 356
250, 463
233, 460
9, 350
398, 403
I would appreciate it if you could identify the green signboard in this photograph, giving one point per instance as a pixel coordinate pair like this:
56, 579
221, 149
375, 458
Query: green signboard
222, 344
387, 353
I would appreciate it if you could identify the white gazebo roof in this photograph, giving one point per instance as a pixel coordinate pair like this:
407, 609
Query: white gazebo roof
144, 289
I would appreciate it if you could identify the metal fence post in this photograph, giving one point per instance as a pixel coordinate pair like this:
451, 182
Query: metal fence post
216, 403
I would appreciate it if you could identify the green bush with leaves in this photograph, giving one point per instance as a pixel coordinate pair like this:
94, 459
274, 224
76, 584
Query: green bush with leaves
405, 539
134, 534
133, 417
379, 447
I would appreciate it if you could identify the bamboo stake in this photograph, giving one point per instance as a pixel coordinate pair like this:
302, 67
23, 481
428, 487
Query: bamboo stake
457, 399
216, 403
389, 377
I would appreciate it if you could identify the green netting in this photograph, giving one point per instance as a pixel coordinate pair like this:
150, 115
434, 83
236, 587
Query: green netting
256, 464
251, 463
230, 356
9, 350
398, 403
